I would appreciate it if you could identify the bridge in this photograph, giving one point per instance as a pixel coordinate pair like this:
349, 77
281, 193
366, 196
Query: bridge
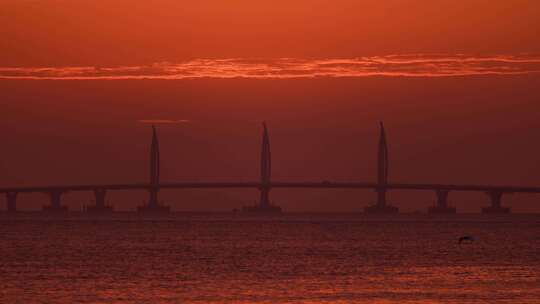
264, 185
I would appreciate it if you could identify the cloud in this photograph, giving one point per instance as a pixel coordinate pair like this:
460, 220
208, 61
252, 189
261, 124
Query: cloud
413, 65
163, 121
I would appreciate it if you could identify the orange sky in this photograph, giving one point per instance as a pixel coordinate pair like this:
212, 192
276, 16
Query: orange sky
456, 83
105, 32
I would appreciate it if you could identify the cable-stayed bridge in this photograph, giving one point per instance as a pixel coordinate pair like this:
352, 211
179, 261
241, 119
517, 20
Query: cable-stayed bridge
264, 185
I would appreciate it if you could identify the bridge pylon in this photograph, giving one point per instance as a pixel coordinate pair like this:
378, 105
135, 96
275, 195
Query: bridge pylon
153, 205
265, 206
382, 178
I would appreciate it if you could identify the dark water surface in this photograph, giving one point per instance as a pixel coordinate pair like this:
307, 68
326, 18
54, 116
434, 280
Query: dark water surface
290, 259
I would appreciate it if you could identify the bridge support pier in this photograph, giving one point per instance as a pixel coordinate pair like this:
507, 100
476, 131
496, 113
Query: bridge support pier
442, 204
495, 208
11, 200
265, 197
381, 206
264, 206
153, 205
56, 203
100, 206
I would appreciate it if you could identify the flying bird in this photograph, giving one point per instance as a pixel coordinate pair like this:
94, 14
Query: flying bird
466, 238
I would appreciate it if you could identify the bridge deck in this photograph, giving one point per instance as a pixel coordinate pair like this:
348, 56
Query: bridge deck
321, 185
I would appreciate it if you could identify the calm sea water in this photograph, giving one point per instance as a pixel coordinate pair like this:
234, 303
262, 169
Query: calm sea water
289, 259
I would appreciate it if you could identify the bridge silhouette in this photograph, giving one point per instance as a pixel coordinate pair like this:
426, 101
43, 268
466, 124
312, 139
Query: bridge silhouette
264, 185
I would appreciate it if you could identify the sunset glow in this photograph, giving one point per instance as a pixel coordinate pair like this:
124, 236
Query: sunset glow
270, 151
392, 65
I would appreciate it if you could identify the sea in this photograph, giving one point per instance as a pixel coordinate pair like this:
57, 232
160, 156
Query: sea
291, 258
